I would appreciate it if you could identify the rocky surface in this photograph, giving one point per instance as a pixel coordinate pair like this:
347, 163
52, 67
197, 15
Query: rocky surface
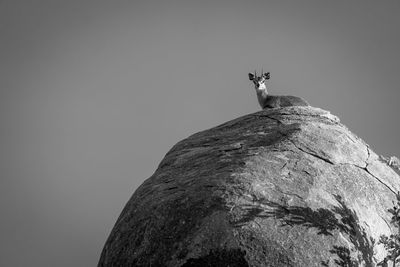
281, 187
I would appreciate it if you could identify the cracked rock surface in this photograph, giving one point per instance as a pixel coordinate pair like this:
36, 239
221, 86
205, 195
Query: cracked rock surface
281, 187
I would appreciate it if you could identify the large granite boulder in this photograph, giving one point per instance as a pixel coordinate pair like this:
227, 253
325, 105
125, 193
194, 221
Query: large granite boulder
287, 186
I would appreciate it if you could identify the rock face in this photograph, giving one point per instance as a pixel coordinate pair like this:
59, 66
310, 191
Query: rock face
287, 186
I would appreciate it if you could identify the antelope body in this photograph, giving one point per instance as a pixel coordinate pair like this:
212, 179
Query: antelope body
272, 101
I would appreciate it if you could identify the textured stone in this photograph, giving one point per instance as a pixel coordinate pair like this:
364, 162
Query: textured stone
287, 186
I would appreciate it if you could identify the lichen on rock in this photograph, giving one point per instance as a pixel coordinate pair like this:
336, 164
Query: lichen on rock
287, 186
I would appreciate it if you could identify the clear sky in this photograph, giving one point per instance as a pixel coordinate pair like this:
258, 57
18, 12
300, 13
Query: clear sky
93, 93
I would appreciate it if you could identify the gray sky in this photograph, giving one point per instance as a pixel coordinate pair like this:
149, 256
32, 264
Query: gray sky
93, 93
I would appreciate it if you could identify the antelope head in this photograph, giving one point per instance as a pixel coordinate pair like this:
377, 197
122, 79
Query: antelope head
259, 81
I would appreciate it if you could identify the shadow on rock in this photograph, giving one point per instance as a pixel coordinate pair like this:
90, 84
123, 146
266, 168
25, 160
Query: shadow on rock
222, 258
326, 221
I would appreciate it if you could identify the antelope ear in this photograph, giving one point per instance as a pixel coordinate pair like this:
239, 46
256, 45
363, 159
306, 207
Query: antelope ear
266, 75
251, 76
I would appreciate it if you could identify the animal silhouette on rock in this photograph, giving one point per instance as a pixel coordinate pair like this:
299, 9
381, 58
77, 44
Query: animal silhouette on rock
272, 101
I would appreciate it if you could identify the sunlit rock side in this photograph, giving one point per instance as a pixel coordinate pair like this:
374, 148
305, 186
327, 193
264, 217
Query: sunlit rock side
287, 186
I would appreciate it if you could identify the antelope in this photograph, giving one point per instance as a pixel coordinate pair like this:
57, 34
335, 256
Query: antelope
270, 101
